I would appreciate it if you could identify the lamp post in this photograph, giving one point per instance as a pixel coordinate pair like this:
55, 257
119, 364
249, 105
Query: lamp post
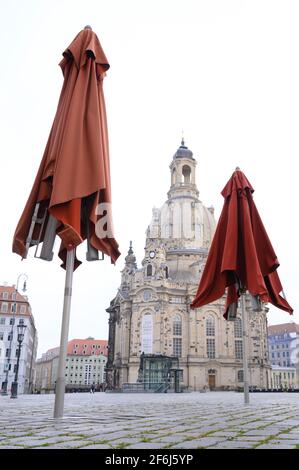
14, 386
5, 383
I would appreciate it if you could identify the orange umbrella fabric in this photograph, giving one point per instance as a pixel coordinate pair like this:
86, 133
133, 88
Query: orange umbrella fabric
241, 254
74, 174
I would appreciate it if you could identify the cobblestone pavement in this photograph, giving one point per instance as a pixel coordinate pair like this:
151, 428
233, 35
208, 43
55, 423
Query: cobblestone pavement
212, 420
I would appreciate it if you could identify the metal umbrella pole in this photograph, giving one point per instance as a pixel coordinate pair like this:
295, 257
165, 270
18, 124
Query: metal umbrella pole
245, 348
60, 381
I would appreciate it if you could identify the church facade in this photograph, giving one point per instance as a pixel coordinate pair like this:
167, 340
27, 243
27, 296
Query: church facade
151, 314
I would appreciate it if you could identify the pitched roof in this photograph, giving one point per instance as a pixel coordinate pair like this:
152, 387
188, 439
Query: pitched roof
87, 347
11, 290
283, 328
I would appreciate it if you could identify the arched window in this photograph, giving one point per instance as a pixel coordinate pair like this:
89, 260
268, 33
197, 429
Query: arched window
186, 173
210, 331
173, 176
147, 334
240, 376
177, 336
238, 328
149, 270
238, 338
210, 326
177, 326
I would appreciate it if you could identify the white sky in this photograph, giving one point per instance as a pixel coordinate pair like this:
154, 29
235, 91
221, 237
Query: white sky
227, 72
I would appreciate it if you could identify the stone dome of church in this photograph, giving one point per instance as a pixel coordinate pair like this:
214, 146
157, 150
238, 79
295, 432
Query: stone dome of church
183, 151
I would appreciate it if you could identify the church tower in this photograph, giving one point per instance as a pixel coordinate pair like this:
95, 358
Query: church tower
150, 318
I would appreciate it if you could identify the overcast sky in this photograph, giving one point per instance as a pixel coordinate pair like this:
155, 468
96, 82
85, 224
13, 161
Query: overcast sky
226, 72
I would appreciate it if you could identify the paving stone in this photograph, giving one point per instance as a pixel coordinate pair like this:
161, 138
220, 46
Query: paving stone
271, 446
10, 447
262, 432
233, 445
145, 445
65, 445
97, 446
204, 442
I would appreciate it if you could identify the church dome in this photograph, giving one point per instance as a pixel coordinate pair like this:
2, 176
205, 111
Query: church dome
183, 152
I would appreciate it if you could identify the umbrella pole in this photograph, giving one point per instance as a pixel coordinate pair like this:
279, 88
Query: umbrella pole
60, 381
245, 349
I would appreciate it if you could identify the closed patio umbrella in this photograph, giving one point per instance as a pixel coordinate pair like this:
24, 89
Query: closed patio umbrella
241, 257
71, 194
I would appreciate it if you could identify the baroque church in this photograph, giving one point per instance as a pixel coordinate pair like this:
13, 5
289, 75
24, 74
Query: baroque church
151, 325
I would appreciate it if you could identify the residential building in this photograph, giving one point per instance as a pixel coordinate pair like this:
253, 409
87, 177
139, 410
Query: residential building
150, 314
85, 365
283, 342
283, 378
14, 309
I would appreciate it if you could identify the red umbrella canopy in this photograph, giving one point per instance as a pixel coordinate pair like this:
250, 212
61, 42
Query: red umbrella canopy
74, 174
241, 254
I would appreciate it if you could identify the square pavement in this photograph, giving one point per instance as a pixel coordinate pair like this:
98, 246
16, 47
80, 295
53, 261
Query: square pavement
214, 420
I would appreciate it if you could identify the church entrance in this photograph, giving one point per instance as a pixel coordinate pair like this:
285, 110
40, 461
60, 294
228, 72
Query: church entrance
159, 373
212, 379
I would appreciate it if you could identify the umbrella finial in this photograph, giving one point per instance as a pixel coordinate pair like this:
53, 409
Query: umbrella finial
88, 27
237, 168
183, 140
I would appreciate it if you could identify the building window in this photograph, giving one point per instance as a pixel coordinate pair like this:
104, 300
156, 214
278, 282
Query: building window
5, 295
2, 321
211, 348
4, 307
147, 334
166, 272
210, 326
23, 309
177, 326
238, 349
12, 321
149, 270
147, 295
15, 368
7, 353
13, 308
1, 336
177, 331
238, 328
240, 376
17, 352
14, 296
177, 347
10, 336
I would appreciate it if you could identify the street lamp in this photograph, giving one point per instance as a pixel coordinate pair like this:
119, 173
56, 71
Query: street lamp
5, 383
14, 386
